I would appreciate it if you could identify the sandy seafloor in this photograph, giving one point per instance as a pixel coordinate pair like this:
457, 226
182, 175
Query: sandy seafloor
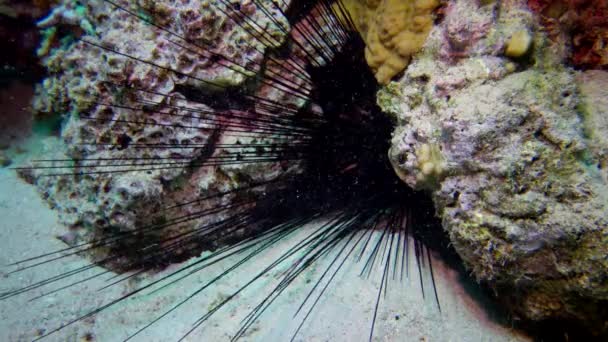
28, 228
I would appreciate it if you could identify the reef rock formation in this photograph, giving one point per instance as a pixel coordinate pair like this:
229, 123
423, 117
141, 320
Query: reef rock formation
124, 82
513, 150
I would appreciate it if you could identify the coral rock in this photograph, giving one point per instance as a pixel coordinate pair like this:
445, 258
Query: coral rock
82, 87
523, 192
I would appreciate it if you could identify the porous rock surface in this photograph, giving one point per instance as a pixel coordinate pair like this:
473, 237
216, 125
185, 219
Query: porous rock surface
96, 90
514, 153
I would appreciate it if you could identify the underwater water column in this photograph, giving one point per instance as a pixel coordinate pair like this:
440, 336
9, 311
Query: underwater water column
299, 170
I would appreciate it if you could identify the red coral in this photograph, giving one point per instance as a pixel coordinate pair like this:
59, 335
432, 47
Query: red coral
538, 5
586, 23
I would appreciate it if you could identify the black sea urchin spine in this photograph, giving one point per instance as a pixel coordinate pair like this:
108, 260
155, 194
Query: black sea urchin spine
347, 179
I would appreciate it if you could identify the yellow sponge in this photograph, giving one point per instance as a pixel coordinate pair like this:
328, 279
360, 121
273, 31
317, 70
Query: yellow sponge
519, 44
393, 30
431, 164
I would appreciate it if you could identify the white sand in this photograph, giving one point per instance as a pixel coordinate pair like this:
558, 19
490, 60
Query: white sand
28, 227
